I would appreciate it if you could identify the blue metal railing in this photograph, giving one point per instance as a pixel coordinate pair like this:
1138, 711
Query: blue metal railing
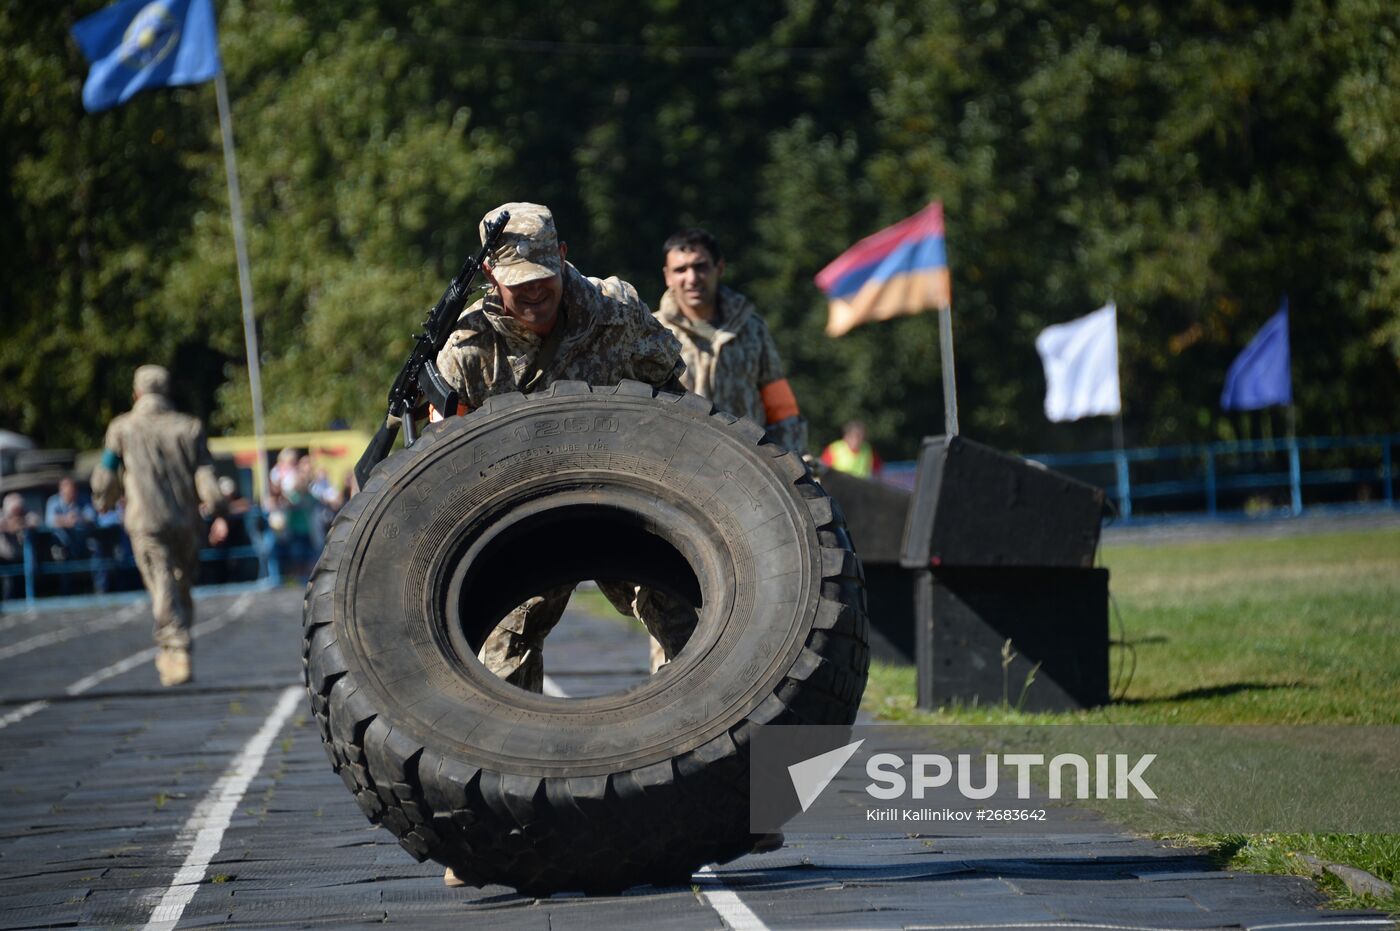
1189, 478
261, 547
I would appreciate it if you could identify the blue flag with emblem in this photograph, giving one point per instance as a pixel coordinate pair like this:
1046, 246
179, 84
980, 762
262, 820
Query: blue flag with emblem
135, 45
1261, 375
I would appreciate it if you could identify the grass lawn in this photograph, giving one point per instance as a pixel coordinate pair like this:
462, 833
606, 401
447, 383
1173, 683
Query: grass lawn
1297, 630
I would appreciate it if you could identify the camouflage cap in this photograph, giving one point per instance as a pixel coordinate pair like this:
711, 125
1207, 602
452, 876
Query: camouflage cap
151, 379
528, 248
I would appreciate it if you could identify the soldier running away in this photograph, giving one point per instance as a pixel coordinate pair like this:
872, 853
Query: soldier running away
160, 459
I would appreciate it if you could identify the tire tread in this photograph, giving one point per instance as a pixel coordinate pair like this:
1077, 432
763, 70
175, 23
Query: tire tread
492, 827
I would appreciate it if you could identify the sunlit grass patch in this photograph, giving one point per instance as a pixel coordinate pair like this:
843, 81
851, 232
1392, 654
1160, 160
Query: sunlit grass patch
1296, 630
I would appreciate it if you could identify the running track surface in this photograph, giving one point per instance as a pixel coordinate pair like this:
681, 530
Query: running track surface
128, 805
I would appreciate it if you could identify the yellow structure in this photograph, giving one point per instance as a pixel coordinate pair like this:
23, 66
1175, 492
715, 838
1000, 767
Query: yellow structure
336, 451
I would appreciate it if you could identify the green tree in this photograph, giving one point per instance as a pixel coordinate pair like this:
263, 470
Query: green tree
95, 208
1190, 161
1155, 155
359, 185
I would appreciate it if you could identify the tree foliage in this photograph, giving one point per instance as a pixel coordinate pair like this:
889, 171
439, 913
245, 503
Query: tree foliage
1192, 161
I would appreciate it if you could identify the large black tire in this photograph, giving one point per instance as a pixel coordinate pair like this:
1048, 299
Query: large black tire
548, 794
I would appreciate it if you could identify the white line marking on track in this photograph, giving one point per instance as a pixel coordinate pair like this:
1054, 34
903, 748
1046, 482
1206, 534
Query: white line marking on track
732, 911
1091, 926
205, 829
739, 917
22, 712
28, 617
236, 611
1336, 922
50, 637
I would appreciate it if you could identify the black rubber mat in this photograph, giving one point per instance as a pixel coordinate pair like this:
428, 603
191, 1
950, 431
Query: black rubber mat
98, 790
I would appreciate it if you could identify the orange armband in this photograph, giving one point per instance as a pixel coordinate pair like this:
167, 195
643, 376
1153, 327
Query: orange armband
434, 416
779, 403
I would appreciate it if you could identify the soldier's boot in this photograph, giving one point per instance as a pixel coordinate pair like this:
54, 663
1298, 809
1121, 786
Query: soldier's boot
173, 666
451, 880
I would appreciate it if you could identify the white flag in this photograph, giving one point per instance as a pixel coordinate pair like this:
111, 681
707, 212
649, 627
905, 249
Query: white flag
1081, 366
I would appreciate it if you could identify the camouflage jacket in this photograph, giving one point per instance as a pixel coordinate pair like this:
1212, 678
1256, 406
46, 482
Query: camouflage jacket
731, 362
609, 335
166, 469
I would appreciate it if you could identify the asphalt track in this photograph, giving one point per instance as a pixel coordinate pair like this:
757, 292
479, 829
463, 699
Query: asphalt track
212, 805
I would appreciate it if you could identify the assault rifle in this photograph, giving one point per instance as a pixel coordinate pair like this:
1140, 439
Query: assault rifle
419, 377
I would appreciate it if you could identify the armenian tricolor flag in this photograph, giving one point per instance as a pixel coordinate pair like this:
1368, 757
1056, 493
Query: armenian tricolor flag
899, 270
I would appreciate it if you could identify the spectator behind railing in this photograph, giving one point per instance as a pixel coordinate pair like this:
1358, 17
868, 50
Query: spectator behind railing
238, 505
283, 476
16, 520
105, 563
79, 537
71, 520
229, 562
302, 505
328, 501
113, 544
289, 517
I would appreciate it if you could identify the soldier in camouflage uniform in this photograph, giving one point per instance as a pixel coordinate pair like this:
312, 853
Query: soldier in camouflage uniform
160, 459
730, 356
540, 322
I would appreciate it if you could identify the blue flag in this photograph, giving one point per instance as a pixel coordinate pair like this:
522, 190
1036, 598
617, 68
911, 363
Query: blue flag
1260, 376
138, 44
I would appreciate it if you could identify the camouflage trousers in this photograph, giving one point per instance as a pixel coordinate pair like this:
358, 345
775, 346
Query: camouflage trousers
515, 649
169, 563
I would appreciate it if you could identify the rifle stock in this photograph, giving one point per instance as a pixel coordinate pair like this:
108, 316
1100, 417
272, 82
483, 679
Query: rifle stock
378, 449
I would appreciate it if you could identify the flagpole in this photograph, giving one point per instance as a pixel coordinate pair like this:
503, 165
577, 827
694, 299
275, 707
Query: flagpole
1295, 472
950, 387
1125, 500
245, 284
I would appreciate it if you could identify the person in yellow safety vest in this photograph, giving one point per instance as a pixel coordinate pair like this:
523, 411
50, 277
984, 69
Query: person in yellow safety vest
853, 454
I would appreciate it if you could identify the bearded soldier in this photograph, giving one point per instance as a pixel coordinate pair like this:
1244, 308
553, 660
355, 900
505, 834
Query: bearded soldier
730, 357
